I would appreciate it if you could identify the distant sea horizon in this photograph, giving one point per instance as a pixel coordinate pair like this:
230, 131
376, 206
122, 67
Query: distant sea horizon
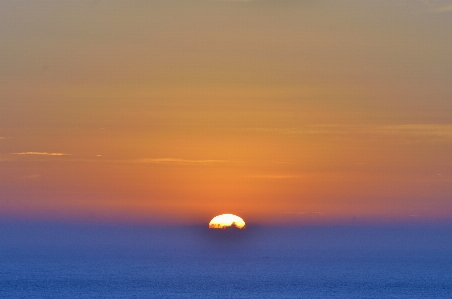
74, 260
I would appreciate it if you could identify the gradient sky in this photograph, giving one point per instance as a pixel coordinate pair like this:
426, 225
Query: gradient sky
176, 111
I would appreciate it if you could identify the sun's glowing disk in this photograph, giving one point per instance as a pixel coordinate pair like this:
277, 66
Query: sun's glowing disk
226, 220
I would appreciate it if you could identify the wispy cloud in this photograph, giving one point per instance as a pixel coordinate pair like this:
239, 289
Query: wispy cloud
277, 176
420, 130
314, 129
178, 161
437, 6
413, 130
319, 129
2, 138
305, 214
42, 154
32, 177
443, 9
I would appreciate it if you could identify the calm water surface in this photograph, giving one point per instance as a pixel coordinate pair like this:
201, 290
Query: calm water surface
70, 261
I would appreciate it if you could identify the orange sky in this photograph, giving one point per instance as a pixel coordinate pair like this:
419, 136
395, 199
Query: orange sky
176, 111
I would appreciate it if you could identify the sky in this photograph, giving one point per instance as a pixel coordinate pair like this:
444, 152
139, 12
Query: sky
281, 112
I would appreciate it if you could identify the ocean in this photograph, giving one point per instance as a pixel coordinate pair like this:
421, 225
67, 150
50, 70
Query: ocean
61, 260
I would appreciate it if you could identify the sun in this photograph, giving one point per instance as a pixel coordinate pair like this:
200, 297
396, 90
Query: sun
226, 220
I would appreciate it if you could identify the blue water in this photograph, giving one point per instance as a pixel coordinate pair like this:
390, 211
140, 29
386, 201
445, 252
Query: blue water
75, 261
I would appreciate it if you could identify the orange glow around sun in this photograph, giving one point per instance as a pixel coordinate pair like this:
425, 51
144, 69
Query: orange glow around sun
226, 220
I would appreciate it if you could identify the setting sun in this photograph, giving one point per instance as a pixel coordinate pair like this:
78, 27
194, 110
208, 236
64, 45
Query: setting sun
226, 220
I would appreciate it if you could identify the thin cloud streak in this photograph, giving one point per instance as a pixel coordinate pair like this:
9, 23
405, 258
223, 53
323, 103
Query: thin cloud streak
178, 161
305, 213
424, 130
277, 176
443, 9
42, 154
98, 159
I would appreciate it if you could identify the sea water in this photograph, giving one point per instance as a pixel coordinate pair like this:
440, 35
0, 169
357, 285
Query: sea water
92, 261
